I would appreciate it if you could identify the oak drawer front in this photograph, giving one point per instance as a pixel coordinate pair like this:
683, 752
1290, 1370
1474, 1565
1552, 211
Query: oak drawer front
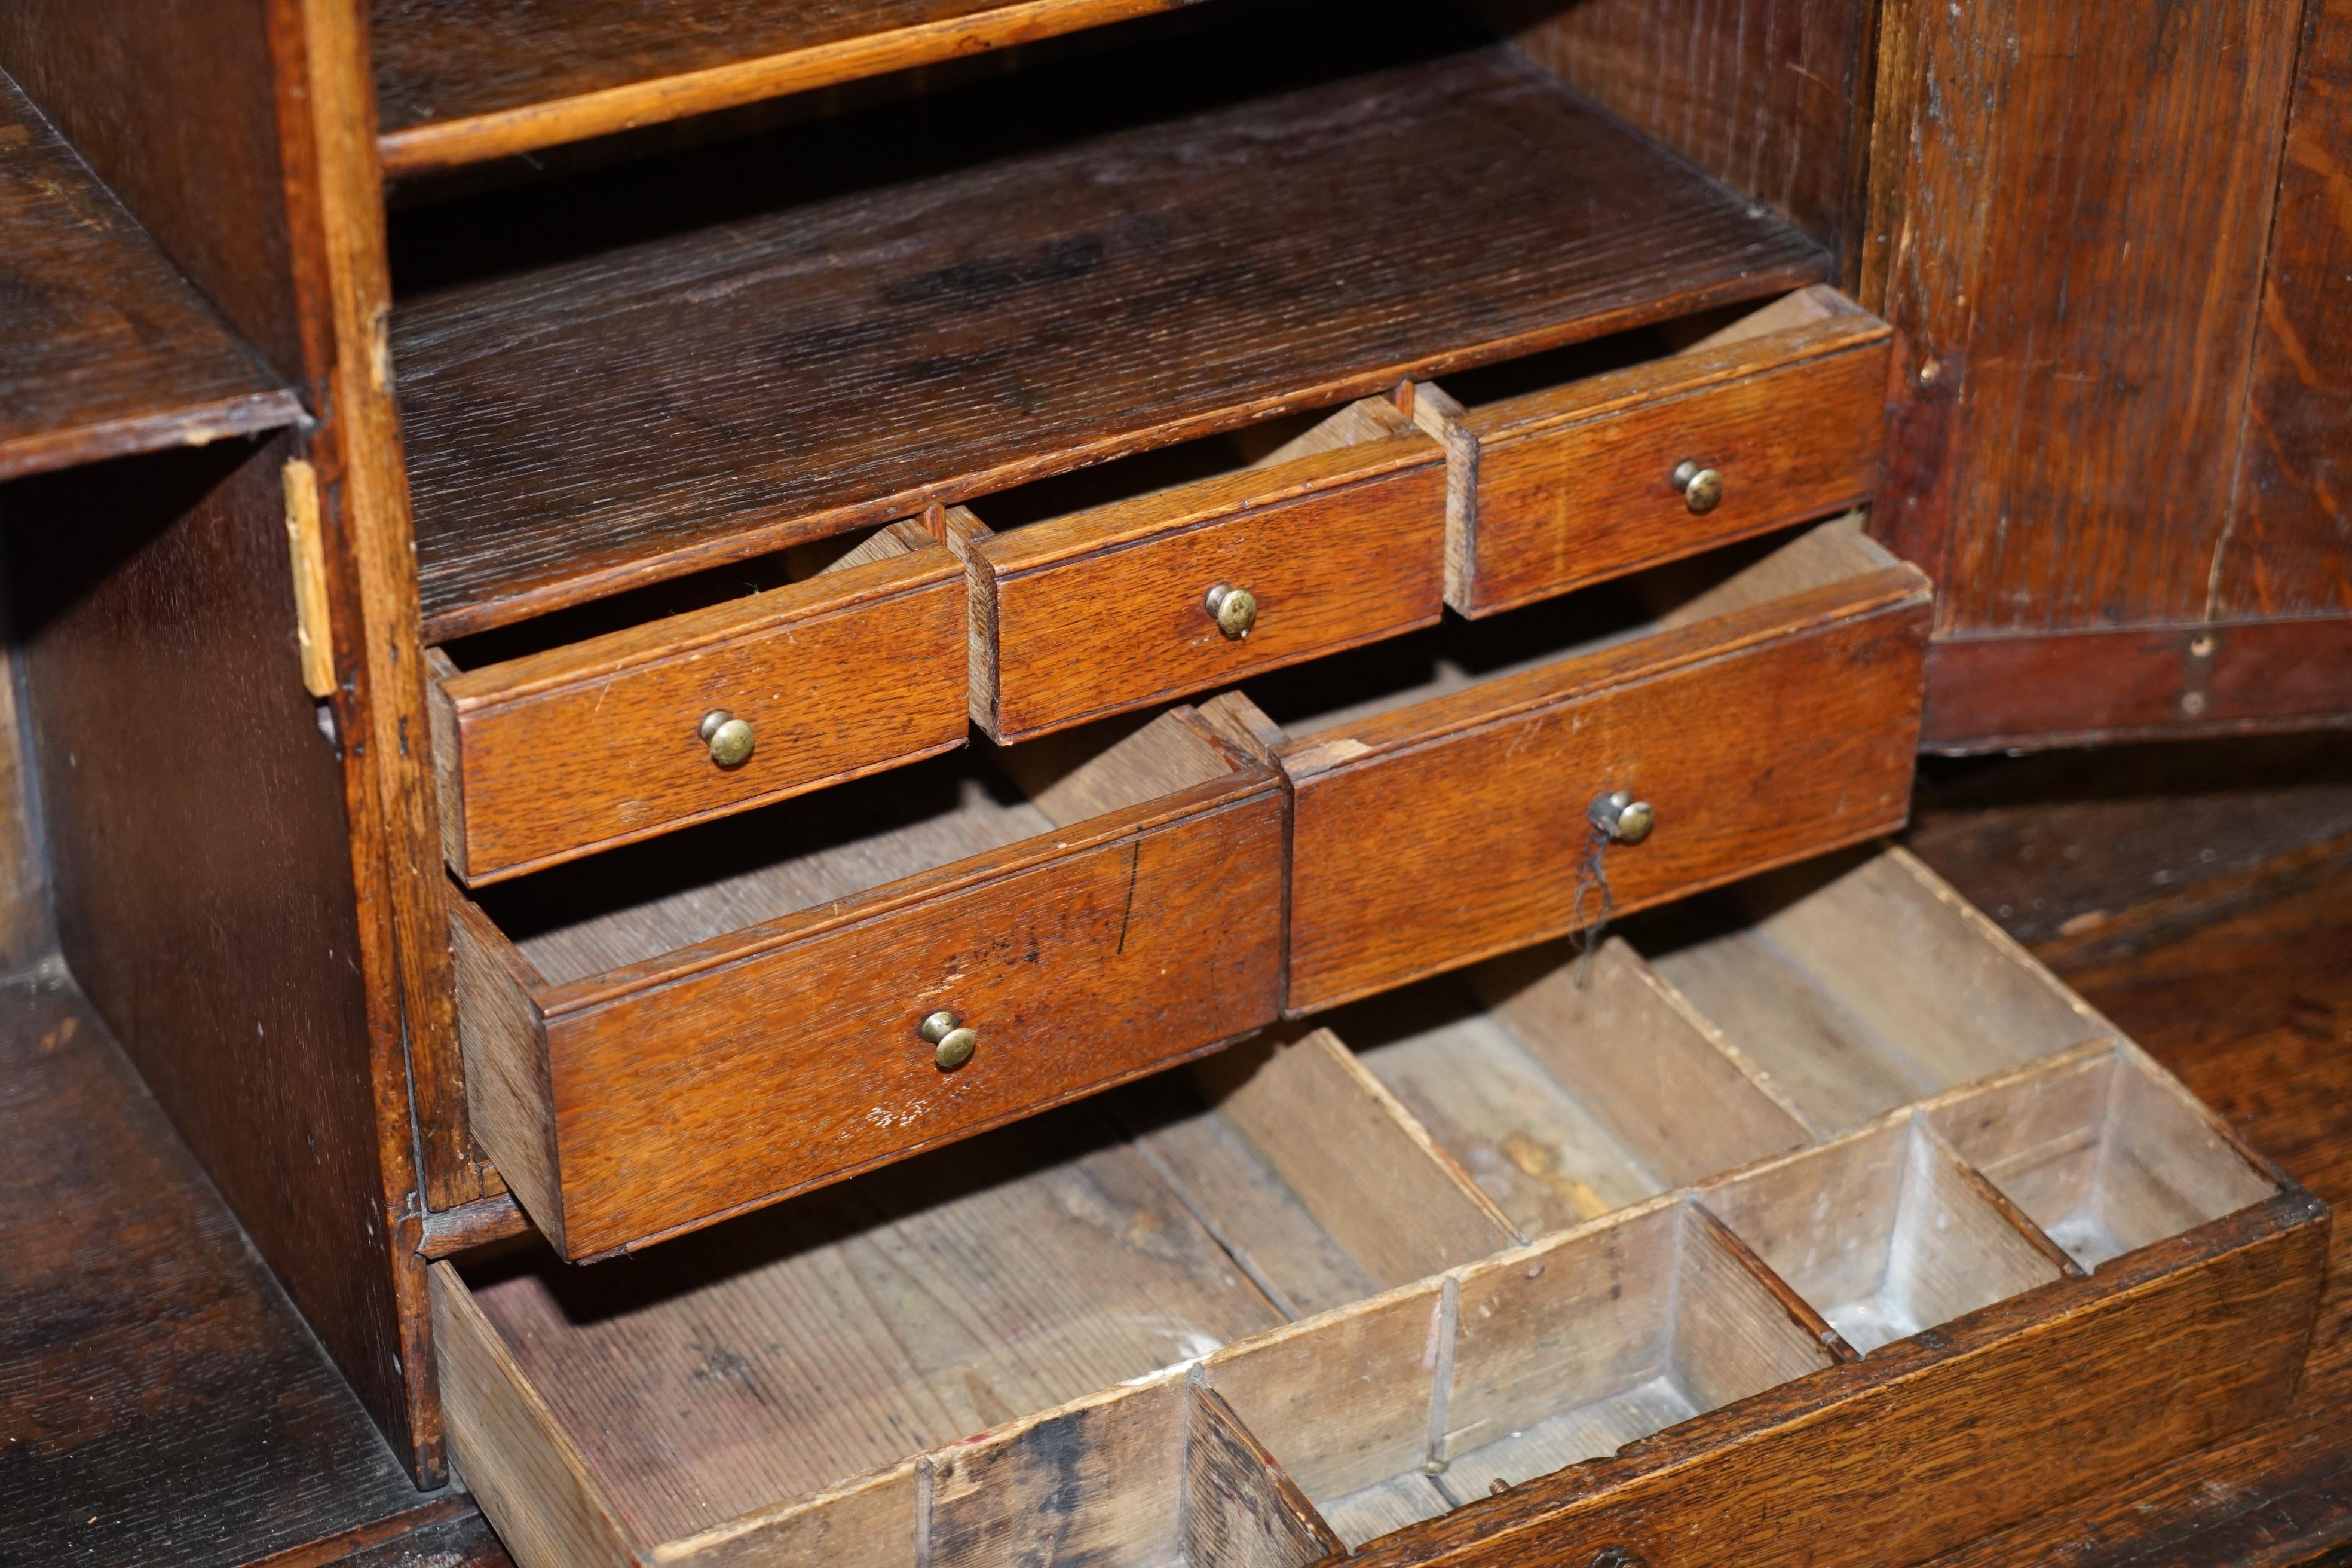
1555, 488
630, 1096
558, 755
1108, 609
1785, 1209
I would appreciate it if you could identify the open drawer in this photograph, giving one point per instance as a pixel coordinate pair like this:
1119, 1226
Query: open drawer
1266, 1309
1569, 467
693, 700
1190, 567
679, 1030
1763, 703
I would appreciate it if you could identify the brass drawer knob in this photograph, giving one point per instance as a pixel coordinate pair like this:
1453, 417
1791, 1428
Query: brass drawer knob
1621, 817
1233, 609
1702, 488
730, 739
954, 1042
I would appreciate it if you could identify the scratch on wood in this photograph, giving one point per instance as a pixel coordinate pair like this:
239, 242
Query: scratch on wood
1134, 865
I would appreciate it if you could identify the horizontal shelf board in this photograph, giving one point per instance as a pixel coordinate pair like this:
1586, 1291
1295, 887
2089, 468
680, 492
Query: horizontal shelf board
588, 426
459, 81
105, 349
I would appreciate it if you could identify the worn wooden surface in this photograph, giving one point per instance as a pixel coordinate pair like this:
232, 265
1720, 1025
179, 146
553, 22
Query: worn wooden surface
109, 349
1102, 609
2288, 549
660, 1089
202, 874
936, 338
165, 1403
1772, 97
1551, 489
557, 754
457, 83
1682, 718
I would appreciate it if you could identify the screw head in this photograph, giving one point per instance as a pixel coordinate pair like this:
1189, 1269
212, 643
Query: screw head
1233, 609
730, 739
955, 1048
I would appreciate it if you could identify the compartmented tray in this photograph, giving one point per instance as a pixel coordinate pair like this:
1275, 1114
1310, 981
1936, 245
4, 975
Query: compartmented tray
1552, 1262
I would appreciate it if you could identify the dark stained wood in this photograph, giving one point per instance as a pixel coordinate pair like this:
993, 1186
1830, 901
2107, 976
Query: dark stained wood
2288, 547
625, 1100
2094, 687
927, 341
2068, 219
463, 1541
108, 350
240, 135
457, 82
1101, 610
194, 816
1441, 831
1772, 97
1554, 488
553, 755
166, 1404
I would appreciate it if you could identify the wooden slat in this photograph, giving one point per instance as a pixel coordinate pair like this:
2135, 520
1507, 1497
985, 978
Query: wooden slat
934, 340
457, 84
104, 348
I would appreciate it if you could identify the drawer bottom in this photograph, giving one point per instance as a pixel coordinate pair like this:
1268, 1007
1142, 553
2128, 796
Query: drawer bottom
1696, 1248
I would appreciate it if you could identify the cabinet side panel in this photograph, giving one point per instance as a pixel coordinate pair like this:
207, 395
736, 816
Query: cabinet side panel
196, 823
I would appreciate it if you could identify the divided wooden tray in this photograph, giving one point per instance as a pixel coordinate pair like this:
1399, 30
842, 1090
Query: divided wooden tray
1562, 1259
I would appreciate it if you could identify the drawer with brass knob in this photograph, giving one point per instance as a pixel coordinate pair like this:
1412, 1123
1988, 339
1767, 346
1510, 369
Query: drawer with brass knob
558, 738
1161, 575
678, 1030
1619, 454
1484, 784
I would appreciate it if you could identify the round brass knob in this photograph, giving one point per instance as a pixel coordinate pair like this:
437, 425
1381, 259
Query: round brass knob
954, 1042
1233, 609
730, 739
1621, 817
1702, 488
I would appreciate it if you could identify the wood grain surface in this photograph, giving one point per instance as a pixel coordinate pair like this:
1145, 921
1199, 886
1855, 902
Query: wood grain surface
166, 1404
1101, 610
457, 83
2068, 219
2288, 547
1772, 97
656, 1096
596, 744
1554, 488
1776, 732
109, 349
580, 427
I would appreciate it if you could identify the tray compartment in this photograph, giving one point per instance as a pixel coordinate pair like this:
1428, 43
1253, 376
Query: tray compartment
1568, 1087
1863, 983
556, 739
2107, 1157
1886, 1233
1553, 487
1764, 701
1089, 592
679, 1031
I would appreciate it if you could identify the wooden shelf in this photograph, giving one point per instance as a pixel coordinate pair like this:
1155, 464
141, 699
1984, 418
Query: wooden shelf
457, 83
104, 348
582, 426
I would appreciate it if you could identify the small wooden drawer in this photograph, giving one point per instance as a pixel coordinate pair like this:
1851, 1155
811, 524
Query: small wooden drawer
1091, 594
1561, 477
1540, 1259
1764, 702
548, 752
679, 1031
